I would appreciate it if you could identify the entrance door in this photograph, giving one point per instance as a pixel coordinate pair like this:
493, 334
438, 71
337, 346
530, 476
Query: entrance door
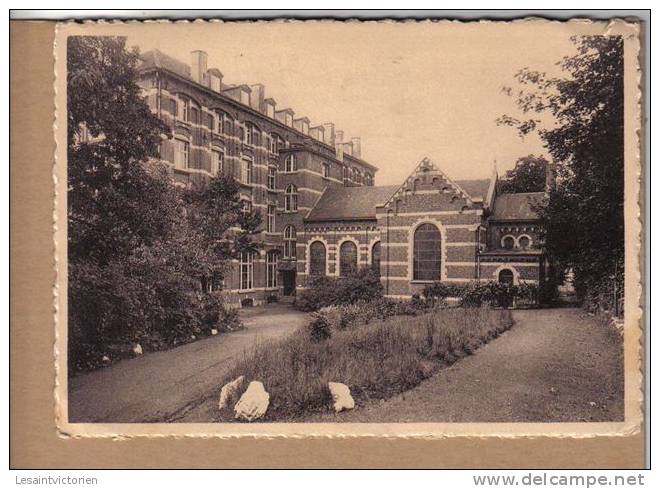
288, 282
505, 277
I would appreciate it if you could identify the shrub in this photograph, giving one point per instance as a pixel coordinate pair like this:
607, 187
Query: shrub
376, 361
136, 301
476, 294
321, 292
319, 328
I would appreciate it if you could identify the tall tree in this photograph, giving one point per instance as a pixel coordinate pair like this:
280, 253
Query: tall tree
529, 175
140, 248
114, 203
584, 214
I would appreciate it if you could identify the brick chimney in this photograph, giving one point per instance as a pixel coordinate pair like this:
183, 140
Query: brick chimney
198, 62
329, 133
357, 150
257, 96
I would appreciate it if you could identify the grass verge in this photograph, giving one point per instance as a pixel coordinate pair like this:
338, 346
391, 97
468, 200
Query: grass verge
376, 361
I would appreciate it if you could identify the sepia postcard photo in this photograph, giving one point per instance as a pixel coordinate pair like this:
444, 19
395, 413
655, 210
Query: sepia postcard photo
325, 228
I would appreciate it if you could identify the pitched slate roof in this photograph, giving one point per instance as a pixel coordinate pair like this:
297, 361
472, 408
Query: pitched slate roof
477, 189
350, 203
157, 59
517, 206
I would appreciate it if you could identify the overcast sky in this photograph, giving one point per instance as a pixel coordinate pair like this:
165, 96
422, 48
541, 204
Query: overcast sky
410, 90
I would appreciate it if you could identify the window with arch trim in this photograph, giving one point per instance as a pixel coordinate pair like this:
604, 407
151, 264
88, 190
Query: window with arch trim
524, 242
290, 242
348, 258
375, 257
317, 259
508, 242
291, 198
427, 253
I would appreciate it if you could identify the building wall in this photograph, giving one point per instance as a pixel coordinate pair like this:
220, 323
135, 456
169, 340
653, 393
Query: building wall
216, 123
364, 233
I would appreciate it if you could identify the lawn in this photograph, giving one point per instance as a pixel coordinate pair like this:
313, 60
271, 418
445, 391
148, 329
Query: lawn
376, 360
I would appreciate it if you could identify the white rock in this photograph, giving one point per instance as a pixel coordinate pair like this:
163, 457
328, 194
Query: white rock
214, 332
253, 403
228, 391
137, 349
105, 359
341, 395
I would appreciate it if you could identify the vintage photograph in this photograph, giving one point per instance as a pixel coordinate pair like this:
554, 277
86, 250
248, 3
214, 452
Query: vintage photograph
348, 228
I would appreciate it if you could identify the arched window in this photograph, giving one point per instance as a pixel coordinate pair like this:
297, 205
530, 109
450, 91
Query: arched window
427, 253
347, 258
375, 257
505, 277
317, 259
291, 198
508, 242
524, 242
289, 242
290, 164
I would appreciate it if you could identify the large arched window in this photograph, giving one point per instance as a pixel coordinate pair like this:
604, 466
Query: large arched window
375, 257
317, 259
347, 258
427, 253
291, 198
289, 242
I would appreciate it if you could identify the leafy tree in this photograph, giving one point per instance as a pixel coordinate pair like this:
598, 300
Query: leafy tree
140, 248
584, 214
529, 175
114, 205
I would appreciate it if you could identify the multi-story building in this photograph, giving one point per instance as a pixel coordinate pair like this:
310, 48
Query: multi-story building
322, 214
282, 161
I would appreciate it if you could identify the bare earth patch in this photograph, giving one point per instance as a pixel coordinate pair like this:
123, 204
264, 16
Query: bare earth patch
555, 365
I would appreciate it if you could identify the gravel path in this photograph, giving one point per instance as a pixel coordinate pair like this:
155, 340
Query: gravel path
554, 365
172, 385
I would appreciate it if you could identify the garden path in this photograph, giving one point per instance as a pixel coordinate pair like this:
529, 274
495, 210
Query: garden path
169, 385
554, 365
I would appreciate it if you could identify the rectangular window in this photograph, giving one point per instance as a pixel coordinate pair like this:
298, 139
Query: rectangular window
272, 171
181, 153
246, 271
270, 219
247, 207
217, 162
290, 164
271, 269
246, 171
183, 110
345, 174
326, 170
194, 115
